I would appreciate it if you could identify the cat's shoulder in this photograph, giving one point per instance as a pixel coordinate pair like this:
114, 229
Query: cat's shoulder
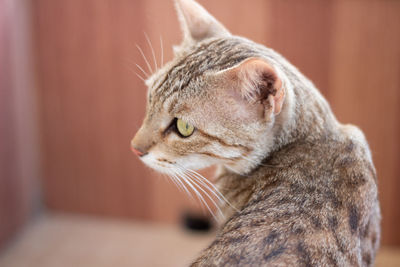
355, 139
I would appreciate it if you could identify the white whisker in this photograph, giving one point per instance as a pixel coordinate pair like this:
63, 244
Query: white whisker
162, 51
193, 180
152, 50
183, 180
209, 197
214, 188
137, 74
145, 59
142, 70
204, 185
190, 183
173, 180
182, 185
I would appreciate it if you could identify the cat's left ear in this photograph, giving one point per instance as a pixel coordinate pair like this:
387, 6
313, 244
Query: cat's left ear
254, 83
196, 23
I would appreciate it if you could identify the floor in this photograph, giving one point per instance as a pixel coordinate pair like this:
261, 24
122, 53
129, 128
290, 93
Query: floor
65, 241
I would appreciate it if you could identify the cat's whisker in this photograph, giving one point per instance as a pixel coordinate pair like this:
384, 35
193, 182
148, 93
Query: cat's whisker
140, 77
185, 173
199, 196
152, 50
182, 179
162, 52
137, 74
142, 70
214, 188
169, 177
204, 181
178, 180
194, 181
145, 59
166, 177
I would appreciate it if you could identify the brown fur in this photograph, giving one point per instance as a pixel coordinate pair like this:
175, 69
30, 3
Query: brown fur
303, 185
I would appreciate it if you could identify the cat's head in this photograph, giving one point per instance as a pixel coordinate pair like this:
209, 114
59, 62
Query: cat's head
216, 102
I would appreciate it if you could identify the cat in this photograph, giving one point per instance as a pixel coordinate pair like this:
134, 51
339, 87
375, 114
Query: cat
297, 188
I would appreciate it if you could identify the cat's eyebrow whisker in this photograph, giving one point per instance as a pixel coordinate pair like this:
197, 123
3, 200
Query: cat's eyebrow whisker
140, 77
152, 50
142, 70
137, 74
145, 59
162, 51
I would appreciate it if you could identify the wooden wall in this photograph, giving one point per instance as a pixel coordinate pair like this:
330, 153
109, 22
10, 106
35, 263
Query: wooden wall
91, 103
19, 185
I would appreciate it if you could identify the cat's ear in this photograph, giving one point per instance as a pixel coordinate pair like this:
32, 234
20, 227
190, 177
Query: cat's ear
256, 82
196, 23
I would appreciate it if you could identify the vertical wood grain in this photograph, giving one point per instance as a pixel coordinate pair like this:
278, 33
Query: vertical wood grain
19, 188
91, 104
301, 32
366, 91
9, 210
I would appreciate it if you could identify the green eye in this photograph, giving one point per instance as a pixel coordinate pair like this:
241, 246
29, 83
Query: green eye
184, 128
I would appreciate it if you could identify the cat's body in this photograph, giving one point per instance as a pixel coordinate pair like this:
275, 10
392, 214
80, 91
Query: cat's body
303, 186
314, 203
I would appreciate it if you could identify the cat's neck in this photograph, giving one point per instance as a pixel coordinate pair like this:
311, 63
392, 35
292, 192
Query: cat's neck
305, 116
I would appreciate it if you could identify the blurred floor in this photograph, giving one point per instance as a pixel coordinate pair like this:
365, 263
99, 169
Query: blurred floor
65, 240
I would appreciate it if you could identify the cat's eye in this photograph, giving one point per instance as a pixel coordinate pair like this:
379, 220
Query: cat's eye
185, 129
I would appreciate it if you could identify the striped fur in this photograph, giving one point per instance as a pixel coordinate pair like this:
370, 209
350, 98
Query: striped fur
302, 187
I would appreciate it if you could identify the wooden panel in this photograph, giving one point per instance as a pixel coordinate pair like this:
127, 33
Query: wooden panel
301, 32
366, 91
91, 105
18, 150
8, 170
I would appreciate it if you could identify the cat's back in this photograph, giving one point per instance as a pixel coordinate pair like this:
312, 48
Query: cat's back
317, 206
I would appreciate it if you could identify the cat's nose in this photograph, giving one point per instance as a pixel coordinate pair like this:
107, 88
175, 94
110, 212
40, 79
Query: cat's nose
138, 152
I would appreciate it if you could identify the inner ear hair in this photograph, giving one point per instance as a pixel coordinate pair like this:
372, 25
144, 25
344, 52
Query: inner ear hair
258, 81
265, 84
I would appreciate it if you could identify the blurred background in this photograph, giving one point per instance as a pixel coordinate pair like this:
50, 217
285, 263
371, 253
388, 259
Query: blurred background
71, 191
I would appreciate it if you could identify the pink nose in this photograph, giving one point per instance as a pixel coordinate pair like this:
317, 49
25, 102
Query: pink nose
137, 152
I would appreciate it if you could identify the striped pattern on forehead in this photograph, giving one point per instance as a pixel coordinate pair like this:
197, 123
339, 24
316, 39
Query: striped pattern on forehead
214, 55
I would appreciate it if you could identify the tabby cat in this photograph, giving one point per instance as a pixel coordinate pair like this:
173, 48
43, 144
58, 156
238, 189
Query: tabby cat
296, 187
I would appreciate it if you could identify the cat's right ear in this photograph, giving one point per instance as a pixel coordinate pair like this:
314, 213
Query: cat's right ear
196, 23
255, 85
